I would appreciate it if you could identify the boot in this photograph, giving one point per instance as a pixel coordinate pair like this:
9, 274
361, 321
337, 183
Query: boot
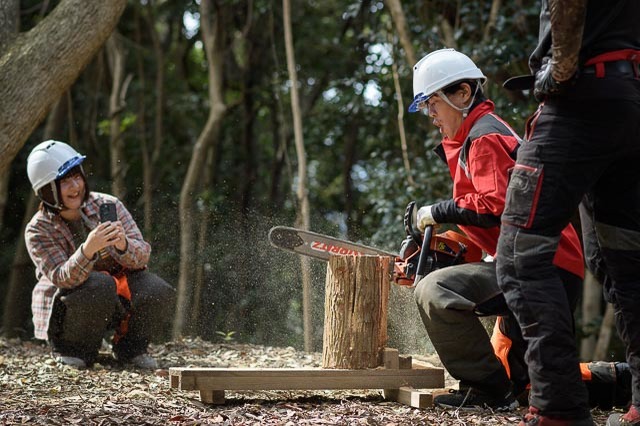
534, 418
631, 417
475, 399
610, 384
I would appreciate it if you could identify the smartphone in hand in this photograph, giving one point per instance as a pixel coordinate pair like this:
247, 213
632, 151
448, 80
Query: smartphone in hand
108, 212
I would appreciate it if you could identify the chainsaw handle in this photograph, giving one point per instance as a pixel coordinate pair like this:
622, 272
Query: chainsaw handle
425, 261
409, 214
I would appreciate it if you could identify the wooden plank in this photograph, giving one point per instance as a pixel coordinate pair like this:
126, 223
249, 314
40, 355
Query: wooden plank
300, 378
390, 358
391, 361
414, 398
405, 362
420, 365
174, 381
212, 397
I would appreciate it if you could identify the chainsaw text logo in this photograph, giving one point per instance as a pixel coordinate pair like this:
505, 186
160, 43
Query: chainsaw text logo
330, 248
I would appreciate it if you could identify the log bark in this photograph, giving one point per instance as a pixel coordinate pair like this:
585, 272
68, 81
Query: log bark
356, 303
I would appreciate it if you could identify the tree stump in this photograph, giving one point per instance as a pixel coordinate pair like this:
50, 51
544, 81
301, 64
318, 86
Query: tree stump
355, 319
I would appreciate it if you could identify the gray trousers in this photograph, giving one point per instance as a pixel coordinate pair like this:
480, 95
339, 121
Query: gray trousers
448, 301
451, 301
82, 316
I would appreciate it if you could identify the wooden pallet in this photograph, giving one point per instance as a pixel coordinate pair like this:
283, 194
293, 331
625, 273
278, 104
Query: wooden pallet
400, 378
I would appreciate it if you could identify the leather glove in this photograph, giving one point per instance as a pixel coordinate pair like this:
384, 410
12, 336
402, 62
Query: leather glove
424, 218
546, 85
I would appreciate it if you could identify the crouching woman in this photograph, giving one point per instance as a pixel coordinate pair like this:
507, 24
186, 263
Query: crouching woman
92, 277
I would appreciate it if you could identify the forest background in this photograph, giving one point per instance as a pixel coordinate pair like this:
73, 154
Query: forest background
187, 112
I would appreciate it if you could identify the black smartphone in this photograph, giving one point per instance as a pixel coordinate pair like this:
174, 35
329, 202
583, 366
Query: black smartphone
108, 212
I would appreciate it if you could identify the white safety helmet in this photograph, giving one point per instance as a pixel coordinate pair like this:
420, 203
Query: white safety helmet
48, 162
438, 70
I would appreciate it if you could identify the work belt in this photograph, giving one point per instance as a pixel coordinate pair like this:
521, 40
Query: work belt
616, 63
615, 68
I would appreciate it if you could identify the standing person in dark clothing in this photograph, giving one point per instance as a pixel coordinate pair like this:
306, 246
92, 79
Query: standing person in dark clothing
584, 139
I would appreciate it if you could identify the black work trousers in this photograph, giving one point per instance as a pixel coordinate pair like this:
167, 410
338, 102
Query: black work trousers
82, 316
586, 142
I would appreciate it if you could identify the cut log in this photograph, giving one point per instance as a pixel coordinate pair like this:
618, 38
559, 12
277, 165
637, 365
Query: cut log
356, 303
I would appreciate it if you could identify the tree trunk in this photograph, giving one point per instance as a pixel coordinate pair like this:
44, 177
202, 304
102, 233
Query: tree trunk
9, 22
39, 66
491, 23
21, 282
401, 132
116, 58
606, 329
159, 89
213, 35
355, 319
448, 33
22, 278
397, 14
303, 219
350, 149
141, 126
591, 304
203, 241
95, 81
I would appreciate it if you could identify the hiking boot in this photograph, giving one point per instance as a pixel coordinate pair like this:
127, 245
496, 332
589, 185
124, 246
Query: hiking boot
71, 361
610, 385
144, 361
623, 385
534, 418
631, 417
474, 399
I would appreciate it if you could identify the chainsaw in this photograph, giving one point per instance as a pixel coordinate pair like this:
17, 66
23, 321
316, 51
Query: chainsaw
420, 253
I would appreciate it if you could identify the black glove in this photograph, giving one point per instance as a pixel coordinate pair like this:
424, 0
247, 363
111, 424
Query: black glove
546, 85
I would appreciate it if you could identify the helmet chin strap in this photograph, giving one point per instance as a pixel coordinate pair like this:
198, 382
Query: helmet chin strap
54, 190
464, 110
59, 205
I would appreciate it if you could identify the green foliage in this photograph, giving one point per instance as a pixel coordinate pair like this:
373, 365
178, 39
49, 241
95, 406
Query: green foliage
357, 183
226, 336
127, 121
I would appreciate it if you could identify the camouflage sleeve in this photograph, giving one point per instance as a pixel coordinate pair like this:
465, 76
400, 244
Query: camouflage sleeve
567, 25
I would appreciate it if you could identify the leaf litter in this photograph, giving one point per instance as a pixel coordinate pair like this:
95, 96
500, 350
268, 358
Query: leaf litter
36, 390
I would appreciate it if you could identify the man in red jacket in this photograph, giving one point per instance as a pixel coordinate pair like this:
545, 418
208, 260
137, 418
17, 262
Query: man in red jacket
479, 149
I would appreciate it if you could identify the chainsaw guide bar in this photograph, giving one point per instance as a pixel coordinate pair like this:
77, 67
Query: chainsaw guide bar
318, 246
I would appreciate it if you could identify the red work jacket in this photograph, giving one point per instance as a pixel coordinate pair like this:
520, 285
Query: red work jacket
479, 157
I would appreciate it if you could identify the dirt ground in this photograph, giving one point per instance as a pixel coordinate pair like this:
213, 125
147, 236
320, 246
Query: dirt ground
35, 390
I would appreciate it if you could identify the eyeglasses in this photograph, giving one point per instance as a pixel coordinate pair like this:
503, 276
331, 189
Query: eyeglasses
428, 107
71, 180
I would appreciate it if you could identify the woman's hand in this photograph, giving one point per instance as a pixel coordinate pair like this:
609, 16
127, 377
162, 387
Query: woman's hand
121, 243
104, 235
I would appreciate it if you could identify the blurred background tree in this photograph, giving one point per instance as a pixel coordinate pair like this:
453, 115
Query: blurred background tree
192, 126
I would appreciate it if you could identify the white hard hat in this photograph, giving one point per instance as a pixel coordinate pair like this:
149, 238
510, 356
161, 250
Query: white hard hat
440, 69
51, 160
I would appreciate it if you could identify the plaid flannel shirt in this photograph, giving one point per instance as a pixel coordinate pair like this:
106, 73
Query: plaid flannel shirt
61, 265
